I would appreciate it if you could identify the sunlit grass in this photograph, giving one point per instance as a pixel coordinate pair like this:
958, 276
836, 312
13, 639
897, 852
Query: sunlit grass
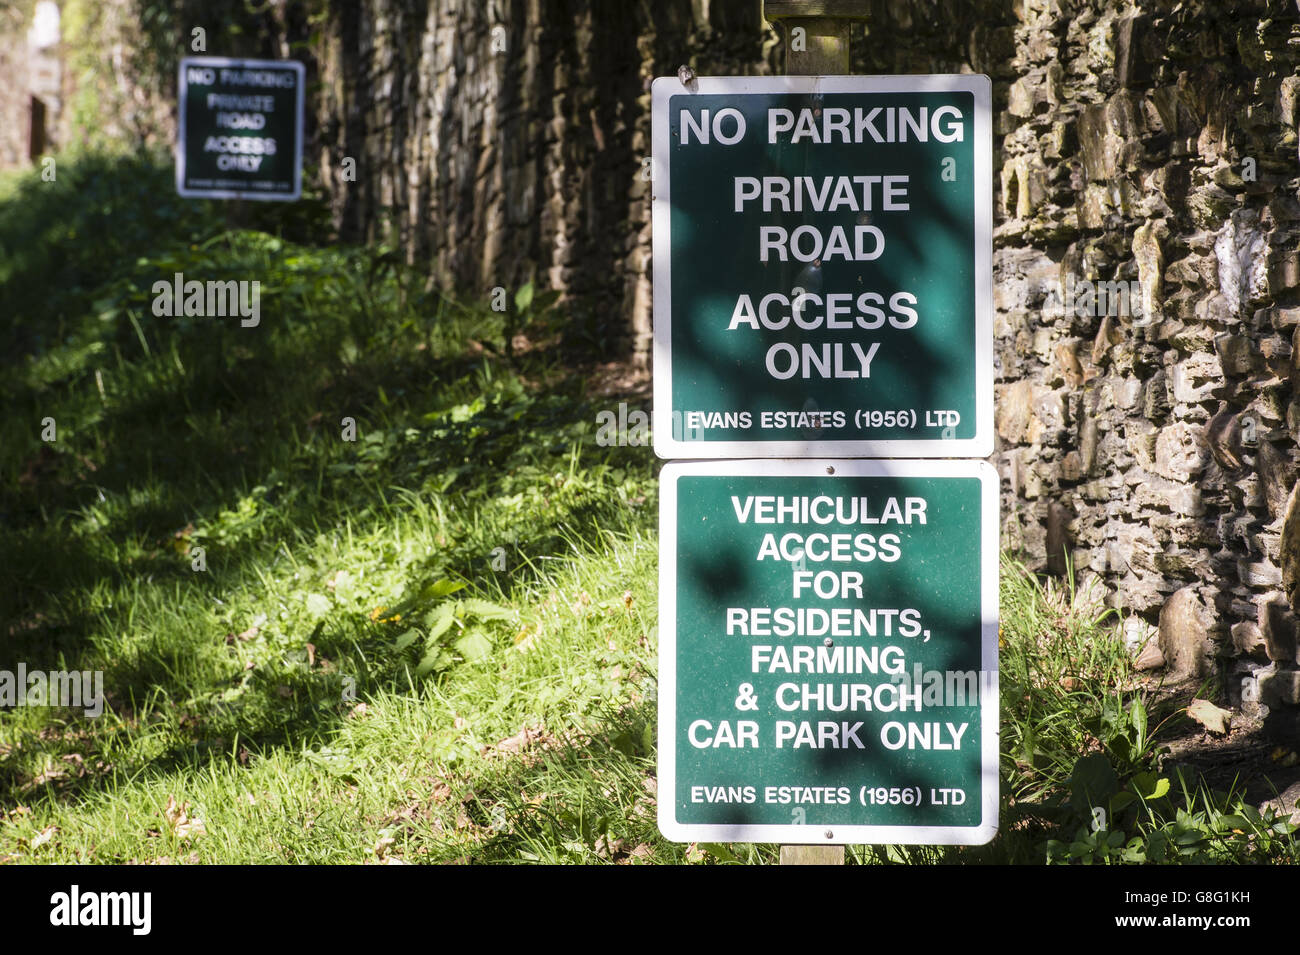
435, 642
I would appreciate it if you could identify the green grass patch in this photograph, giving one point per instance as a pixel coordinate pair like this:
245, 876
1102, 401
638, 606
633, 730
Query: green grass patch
364, 587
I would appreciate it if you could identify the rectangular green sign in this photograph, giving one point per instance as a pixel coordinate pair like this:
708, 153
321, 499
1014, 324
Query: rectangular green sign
828, 651
823, 266
240, 129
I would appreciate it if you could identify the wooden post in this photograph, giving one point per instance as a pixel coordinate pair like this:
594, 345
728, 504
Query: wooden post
36, 130
822, 49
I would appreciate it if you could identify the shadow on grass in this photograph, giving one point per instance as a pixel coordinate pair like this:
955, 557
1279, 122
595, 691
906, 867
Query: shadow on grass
165, 424
548, 803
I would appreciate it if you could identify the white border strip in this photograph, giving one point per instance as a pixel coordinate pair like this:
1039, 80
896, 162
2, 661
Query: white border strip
227, 62
666, 445
804, 835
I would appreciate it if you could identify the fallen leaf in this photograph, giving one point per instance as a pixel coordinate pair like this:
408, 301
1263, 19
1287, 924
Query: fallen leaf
1213, 718
608, 848
191, 829
517, 743
182, 824
49, 775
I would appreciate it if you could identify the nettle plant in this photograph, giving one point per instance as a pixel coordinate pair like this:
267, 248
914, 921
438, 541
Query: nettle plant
451, 631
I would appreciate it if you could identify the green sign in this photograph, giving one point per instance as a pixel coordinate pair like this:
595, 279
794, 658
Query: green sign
240, 134
823, 266
828, 651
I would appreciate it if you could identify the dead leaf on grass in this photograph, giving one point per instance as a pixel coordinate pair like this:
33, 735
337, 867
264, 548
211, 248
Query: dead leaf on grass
383, 845
609, 849
525, 738
49, 776
183, 826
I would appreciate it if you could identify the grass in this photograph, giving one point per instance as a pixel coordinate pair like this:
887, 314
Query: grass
433, 643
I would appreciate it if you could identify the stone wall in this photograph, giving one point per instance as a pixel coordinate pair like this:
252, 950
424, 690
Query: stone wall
30, 73
1154, 440
501, 141
14, 95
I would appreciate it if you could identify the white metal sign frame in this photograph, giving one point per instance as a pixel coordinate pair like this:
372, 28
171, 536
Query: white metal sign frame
225, 62
846, 834
667, 444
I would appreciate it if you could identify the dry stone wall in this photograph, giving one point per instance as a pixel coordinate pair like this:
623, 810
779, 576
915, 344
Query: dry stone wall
1146, 279
504, 141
